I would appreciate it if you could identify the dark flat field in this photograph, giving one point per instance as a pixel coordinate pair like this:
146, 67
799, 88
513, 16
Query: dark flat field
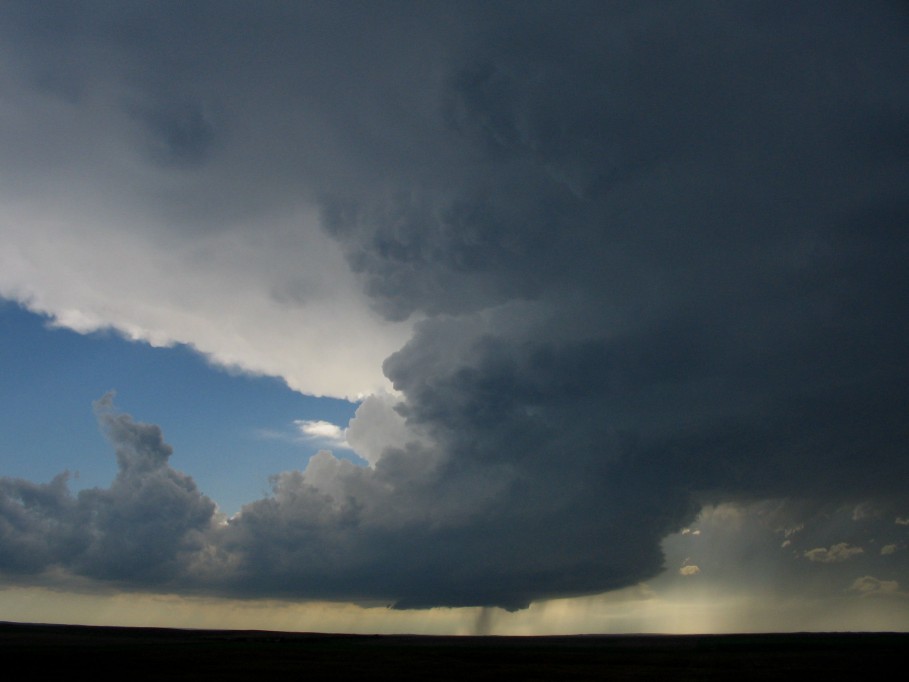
150, 653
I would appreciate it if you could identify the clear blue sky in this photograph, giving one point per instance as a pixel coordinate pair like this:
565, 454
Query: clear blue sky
230, 431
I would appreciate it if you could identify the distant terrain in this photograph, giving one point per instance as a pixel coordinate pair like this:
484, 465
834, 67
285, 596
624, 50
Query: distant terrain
155, 653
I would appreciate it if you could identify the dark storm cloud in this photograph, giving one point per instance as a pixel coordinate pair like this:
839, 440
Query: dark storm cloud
717, 193
181, 136
259, 107
659, 250
704, 211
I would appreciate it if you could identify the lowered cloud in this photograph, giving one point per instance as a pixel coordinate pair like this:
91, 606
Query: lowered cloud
591, 270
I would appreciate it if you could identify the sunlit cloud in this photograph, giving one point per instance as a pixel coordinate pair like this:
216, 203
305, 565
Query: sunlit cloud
834, 555
869, 586
688, 569
865, 510
324, 432
792, 530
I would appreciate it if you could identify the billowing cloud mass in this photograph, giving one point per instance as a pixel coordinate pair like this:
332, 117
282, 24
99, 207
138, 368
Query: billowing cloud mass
142, 530
617, 261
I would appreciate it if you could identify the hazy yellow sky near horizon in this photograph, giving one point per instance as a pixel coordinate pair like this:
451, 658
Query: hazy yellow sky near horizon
633, 610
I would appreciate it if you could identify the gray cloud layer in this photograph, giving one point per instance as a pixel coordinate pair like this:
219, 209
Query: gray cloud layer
658, 252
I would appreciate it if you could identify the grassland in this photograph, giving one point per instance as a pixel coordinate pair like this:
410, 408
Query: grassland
148, 653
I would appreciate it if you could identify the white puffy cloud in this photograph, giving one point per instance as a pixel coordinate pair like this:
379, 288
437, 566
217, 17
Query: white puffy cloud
323, 431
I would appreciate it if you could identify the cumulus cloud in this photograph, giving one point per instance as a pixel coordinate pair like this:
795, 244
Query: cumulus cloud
377, 426
740, 552
835, 554
321, 430
868, 586
888, 549
144, 529
406, 531
689, 569
616, 264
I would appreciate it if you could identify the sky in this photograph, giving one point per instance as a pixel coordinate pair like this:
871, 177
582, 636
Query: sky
455, 317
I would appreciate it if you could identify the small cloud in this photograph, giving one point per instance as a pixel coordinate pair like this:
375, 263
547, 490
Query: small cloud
323, 431
900, 521
836, 554
786, 543
792, 530
888, 549
864, 511
868, 586
688, 568
688, 531
724, 513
